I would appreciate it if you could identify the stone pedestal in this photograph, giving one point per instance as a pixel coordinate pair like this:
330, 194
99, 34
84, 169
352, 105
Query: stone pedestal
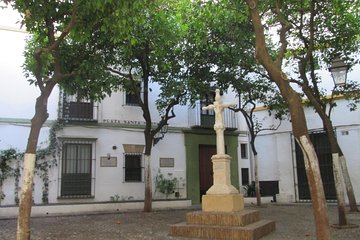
223, 215
222, 203
222, 196
222, 180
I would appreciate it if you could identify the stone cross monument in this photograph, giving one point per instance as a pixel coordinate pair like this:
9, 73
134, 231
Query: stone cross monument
223, 215
219, 128
222, 196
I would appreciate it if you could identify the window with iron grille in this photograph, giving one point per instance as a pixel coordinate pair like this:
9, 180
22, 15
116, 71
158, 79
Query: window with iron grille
78, 108
133, 168
207, 116
244, 176
133, 97
76, 169
244, 150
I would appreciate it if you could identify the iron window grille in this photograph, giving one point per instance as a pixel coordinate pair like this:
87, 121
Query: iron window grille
76, 169
244, 150
132, 98
133, 167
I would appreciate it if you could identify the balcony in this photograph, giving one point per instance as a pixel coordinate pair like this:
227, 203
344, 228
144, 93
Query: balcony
77, 110
206, 119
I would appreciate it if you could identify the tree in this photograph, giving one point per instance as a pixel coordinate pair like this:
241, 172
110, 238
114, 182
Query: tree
274, 68
51, 58
46, 84
250, 93
153, 56
149, 53
319, 39
220, 52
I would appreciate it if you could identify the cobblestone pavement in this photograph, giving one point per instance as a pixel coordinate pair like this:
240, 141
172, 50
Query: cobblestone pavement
293, 222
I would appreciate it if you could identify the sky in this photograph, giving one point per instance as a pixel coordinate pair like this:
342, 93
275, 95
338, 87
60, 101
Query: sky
17, 97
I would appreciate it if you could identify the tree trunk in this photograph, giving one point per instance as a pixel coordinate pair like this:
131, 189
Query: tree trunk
257, 183
0, 192
298, 122
23, 224
339, 189
348, 184
147, 160
148, 184
338, 178
339, 173
147, 167
316, 188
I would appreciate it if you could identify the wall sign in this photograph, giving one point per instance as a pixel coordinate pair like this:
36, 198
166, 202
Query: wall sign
130, 122
108, 162
167, 162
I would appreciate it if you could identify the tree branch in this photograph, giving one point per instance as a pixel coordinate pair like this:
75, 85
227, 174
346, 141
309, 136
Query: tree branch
125, 75
285, 27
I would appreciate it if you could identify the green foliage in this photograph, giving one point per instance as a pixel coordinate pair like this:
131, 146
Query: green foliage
6, 156
118, 198
63, 43
305, 37
115, 198
351, 92
318, 32
218, 45
46, 159
250, 189
164, 185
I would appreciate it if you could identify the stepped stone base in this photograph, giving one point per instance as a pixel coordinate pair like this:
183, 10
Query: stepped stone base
244, 225
240, 218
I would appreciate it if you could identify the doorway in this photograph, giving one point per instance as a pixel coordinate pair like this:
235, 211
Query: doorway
323, 152
205, 167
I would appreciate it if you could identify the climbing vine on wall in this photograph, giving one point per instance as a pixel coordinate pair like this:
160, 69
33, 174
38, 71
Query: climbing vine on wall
6, 156
17, 178
165, 185
46, 159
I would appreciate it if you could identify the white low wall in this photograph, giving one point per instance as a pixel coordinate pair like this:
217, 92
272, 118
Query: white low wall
252, 200
70, 209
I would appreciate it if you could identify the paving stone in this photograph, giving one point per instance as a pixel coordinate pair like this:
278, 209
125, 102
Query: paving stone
295, 222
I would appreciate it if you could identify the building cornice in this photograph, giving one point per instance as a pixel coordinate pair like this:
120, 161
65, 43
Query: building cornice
304, 101
12, 29
23, 121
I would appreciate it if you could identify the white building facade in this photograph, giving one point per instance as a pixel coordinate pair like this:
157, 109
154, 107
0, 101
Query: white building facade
280, 158
99, 154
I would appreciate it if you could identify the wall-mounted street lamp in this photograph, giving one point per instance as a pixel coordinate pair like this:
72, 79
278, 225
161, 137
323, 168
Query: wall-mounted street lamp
339, 71
160, 135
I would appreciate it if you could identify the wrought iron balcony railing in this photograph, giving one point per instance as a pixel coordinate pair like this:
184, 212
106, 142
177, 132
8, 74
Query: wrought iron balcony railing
206, 119
73, 109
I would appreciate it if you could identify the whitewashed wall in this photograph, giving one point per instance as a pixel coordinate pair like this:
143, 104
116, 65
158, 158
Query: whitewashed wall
276, 148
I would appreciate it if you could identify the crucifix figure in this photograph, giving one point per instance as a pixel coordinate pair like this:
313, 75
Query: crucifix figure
218, 107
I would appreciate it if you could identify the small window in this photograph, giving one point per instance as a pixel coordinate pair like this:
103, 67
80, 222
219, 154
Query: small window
132, 98
245, 176
133, 168
244, 150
